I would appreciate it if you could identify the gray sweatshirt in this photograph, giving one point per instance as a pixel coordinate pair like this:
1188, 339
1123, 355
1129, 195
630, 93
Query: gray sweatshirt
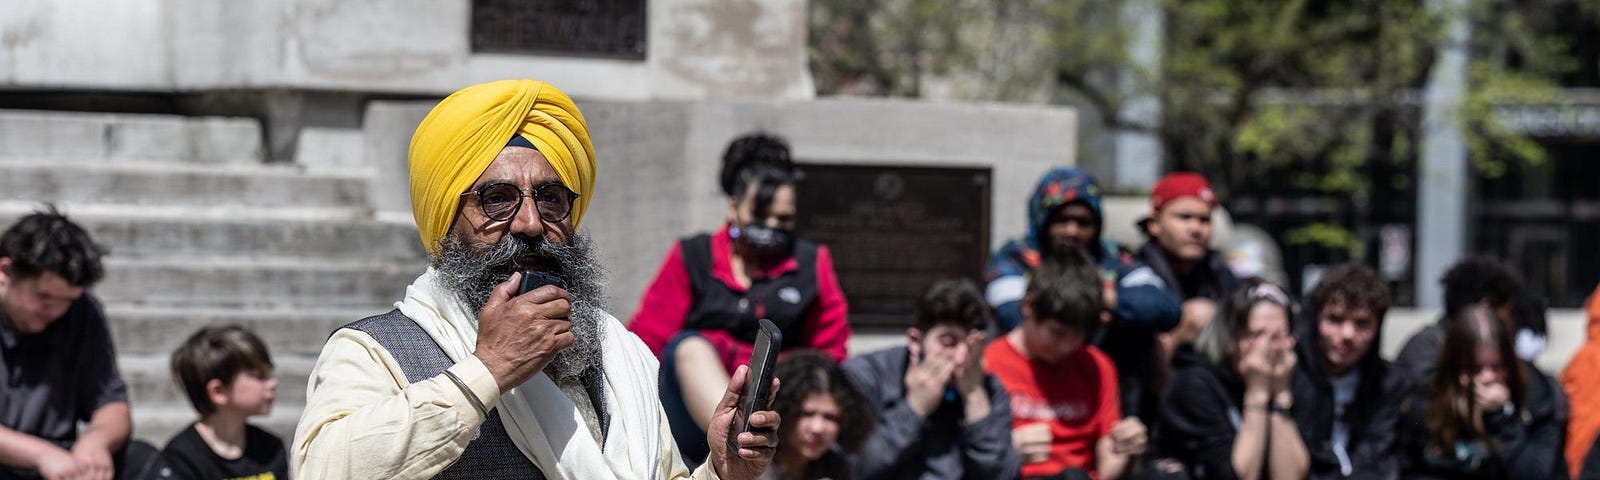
941, 446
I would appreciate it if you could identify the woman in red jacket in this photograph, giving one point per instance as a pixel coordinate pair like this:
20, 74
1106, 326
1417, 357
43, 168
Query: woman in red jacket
700, 314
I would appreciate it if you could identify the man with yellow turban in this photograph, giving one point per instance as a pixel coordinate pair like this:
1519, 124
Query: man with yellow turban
468, 377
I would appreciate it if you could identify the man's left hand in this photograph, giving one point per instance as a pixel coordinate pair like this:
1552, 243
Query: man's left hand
755, 447
94, 460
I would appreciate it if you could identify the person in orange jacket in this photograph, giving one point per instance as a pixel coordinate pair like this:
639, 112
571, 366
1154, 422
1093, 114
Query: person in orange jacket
1581, 380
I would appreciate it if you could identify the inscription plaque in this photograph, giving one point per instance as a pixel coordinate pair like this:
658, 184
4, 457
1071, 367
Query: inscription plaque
605, 28
893, 231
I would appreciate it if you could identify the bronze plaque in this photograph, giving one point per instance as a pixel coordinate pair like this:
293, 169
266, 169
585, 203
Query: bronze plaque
893, 231
604, 28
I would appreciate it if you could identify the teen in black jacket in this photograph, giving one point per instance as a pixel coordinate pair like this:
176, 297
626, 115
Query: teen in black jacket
1347, 398
1230, 415
1484, 414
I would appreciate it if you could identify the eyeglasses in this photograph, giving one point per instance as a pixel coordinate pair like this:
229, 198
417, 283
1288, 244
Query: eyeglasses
500, 201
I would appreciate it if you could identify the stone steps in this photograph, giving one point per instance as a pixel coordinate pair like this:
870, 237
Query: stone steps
139, 234
74, 137
159, 330
180, 184
255, 283
202, 231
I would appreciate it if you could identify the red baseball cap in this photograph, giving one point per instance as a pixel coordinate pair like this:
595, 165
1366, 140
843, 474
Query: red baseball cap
1179, 185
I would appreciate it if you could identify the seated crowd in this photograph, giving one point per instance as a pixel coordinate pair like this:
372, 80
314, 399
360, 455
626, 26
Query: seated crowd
1086, 360
1079, 360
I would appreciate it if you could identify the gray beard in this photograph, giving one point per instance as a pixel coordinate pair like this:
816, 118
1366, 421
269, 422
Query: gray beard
473, 270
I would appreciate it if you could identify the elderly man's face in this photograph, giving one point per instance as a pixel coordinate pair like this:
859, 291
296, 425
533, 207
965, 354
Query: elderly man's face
526, 168
481, 252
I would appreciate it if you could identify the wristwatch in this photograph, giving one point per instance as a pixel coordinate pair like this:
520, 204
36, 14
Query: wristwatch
1279, 405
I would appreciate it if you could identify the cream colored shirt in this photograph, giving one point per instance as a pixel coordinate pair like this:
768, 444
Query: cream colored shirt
364, 420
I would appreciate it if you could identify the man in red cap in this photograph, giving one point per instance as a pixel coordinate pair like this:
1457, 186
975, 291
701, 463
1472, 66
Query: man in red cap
1179, 256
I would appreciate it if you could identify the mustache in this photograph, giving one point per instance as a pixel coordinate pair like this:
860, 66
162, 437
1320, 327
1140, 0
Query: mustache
516, 253
512, 252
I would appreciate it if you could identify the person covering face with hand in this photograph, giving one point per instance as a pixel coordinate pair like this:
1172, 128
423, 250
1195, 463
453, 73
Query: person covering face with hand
1230, 414
1483, 413
940, 416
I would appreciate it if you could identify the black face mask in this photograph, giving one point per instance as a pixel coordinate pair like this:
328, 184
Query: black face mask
766, 243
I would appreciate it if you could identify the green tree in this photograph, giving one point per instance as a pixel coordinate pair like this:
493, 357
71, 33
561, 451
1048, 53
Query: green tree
1261, 95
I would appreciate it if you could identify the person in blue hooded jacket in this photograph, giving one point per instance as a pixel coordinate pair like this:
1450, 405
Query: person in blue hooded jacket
1064, 212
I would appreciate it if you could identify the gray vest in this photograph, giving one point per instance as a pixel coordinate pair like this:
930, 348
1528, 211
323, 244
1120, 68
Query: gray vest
490, 454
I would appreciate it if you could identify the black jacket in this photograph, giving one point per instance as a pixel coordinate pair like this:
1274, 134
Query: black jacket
1200, 417
1422, 350
1373, 415
1142, 377
1591, 463
1211, 279
1524, 446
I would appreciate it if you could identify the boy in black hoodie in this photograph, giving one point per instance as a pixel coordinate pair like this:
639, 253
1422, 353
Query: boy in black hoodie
1348, 398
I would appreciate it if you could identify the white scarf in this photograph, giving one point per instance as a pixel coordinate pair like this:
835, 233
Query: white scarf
544, 423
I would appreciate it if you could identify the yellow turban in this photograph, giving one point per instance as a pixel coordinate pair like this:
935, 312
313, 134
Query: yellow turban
465, 132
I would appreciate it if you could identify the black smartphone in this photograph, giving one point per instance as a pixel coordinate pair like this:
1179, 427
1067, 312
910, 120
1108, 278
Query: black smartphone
532, 279
758, 384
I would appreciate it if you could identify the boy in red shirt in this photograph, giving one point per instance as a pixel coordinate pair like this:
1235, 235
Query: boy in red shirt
1066, 419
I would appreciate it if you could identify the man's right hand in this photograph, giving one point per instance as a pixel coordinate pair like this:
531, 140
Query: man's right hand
59, 464
519, 335
926, 379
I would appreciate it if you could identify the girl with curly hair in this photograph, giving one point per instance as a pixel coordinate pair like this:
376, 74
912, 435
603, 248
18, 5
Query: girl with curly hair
824, 415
